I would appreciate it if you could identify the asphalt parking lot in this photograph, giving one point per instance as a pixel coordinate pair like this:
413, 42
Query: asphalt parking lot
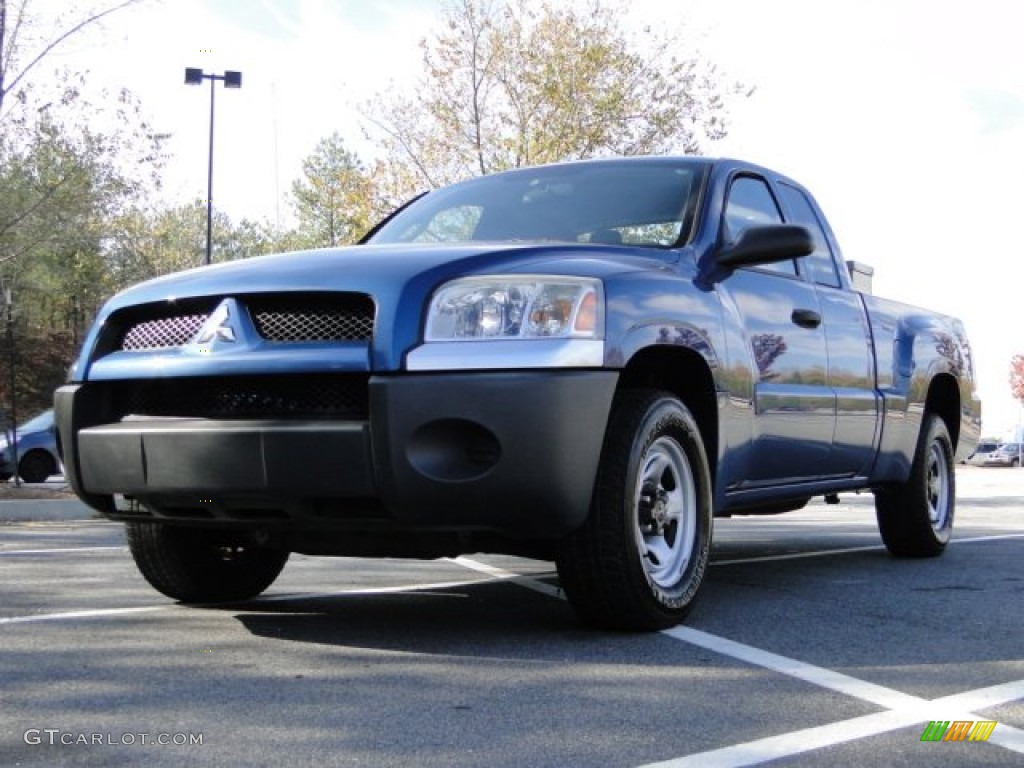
809, 646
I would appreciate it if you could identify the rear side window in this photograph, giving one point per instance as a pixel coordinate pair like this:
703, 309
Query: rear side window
820, 264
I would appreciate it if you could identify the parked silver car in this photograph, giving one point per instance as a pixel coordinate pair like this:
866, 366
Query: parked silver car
1006, 455
981, 452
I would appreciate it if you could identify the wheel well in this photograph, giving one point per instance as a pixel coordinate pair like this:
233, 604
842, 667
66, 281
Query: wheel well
944, 401
684, 373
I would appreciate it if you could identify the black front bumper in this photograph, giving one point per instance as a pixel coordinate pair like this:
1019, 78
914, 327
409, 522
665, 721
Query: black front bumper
515, 453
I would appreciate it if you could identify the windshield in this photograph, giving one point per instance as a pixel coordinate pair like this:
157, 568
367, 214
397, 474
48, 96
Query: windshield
644, 202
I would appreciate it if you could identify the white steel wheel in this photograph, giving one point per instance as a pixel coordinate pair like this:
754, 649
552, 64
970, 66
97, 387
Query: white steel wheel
640, 558
666, 513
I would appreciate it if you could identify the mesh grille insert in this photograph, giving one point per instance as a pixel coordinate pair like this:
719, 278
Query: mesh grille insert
285, 318
288, 319
163, 332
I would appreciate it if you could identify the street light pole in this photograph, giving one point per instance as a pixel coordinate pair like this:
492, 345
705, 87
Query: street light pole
231, 79
9, 321
209, 184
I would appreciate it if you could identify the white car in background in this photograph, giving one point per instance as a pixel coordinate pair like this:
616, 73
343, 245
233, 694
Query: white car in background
981, 452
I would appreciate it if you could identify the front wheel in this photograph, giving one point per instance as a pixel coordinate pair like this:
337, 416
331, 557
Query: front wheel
36, 467
640, 558
915, 518
202, 565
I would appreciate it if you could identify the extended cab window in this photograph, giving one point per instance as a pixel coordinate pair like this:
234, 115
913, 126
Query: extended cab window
820, 264
751, 204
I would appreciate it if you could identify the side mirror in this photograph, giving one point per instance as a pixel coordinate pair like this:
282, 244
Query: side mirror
766, 245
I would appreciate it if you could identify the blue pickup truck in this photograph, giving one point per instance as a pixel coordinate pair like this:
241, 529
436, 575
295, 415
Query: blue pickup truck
584, 362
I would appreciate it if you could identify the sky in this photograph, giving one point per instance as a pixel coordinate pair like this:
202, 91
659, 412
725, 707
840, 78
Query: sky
904, 118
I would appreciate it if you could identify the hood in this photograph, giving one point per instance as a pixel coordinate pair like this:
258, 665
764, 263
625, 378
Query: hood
399, 278
378, 269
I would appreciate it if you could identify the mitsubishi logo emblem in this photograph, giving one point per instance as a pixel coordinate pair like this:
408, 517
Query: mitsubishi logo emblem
218, 326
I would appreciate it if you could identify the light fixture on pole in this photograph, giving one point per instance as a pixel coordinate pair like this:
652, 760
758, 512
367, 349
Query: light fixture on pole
195, 76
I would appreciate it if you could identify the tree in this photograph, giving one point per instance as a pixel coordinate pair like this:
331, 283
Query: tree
524, 82
21, 50
333, 199
62, 180
148, 243
1017, 377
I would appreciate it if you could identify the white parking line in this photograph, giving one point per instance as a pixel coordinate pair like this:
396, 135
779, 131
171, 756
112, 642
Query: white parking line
819, 676
847, 550
500, 573
410, 588
402, 588
98, 613
57, 551
902, 710
808, 739
797, 555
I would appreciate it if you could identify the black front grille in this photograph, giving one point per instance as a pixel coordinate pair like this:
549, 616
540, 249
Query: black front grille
337, 396
285, 318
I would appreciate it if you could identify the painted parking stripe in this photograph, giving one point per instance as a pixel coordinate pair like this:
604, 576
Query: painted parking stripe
847, 550
528, 582
902, 709
399, 588
819, 676
794, 743
798, 555
808, 739
98, 613
105, 612
58, 550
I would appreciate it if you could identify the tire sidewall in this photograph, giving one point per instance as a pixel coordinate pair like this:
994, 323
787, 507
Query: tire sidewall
937, 434
666, 417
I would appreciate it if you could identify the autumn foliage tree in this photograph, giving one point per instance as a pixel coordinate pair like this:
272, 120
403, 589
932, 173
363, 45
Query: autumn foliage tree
63, 176
525, 82
333, 198
1017, 377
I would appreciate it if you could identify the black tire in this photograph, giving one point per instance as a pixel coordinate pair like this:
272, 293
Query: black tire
915, 518
640, 558
197, 565
36, 466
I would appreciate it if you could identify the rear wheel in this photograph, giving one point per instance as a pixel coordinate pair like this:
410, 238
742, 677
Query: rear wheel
201, 565
640, 558
36, 466
915, 518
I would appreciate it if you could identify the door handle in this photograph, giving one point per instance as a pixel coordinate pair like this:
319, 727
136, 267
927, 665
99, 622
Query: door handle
806, 318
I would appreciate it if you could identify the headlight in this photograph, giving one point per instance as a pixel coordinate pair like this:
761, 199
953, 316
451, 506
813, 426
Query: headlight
521, 307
